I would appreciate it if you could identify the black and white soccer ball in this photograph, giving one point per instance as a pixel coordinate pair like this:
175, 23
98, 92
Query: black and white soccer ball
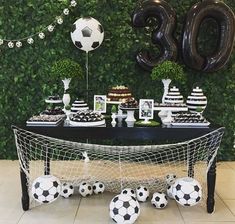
187, 191
142, 193
46, 189
85, 189
87, 34
129, 191
67, 190
170, 178
169, 192
98, 187
124, 209
159, 200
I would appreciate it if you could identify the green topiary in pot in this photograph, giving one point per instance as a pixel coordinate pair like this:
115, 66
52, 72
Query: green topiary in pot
166, 72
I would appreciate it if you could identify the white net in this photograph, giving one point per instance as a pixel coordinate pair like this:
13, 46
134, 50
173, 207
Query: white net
116, 166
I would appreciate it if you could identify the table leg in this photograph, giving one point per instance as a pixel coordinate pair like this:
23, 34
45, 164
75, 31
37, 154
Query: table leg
211, 178
25, 193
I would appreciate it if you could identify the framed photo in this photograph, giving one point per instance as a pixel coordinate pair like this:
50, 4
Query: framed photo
146, 109
100, 103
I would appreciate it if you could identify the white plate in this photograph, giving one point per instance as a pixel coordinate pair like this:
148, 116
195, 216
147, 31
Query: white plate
86, 124
191, 124
113, 102
53, 101
171, 108
43, 123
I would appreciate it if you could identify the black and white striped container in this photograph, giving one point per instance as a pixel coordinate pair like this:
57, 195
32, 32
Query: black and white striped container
196, 102
174, 96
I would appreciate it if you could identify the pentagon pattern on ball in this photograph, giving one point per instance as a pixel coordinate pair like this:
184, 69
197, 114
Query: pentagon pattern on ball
187, 191
95, 45
46, 189
170, 178
85, 189
78, 44
86, 32
67, 190
129, 191
142, 193
159, 200
124, 209
169, 191
100, 28
98, 187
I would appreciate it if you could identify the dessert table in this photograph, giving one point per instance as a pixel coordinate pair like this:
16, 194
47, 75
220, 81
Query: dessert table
156, 134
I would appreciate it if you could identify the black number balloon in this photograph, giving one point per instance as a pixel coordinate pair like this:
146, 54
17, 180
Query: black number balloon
224, 17
162, 36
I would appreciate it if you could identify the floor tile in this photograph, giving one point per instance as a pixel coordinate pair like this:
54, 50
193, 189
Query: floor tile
199, 214
231, 205
226, 189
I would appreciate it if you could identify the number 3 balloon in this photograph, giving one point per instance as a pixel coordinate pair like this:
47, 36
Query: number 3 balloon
224, 17
162, 36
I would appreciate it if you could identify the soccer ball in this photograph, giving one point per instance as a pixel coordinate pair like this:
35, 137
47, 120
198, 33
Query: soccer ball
46, 189
169, 192
124, 209
129, 191
87, 34
67, 190
98, 187
187, 191
170, 178
159, 200
142, 193
85, 189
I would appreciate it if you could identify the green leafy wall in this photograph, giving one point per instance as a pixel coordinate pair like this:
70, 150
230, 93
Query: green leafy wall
25, 73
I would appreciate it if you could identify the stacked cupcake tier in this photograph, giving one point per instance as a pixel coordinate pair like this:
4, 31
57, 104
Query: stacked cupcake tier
53, 99
174, 97
78, 106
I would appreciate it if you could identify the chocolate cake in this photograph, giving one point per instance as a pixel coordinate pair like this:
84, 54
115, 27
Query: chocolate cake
118, 93
129, 103
53, 111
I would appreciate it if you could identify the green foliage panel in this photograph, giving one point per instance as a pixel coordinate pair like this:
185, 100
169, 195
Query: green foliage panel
25, 76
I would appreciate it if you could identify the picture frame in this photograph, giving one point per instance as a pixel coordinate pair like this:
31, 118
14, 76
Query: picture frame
100, 103
146, 111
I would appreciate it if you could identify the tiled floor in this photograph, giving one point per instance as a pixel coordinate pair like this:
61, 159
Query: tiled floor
94, 210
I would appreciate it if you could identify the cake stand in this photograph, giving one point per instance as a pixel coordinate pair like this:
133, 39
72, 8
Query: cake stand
166, 113
130, 120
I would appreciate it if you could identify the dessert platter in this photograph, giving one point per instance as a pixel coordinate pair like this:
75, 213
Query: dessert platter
129, 104
45, 120
54, 111
79, 105
86, 118
117, 94
53, 99
190, 119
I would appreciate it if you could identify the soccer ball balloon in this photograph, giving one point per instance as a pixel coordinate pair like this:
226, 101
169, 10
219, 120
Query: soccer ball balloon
87, 34
142, 193
124, 209
98, 187
67, 190
129, 191
170, 178
187, 191
85, 189
159, 200
46, 189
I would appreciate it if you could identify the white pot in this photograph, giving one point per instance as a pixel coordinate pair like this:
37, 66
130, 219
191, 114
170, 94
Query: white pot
66, 99
166, 83
66, 83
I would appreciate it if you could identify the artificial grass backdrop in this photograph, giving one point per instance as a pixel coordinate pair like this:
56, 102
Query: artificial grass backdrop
25, 73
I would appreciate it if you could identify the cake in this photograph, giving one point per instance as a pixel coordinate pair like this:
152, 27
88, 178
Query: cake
129, 103
196, 102
87, 118
53, 99
118, 93
174, 97
79, 105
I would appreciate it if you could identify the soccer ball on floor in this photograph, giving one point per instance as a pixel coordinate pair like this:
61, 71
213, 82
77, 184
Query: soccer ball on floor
170, 178
124, 209
67, 190
169, 192
142, 193
46, 189
187, 191
98, 187
129, 191
85, 189
159, 200
87, 34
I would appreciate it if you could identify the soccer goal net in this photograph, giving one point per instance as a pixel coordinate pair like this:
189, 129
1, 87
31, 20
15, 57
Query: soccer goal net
116, 166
